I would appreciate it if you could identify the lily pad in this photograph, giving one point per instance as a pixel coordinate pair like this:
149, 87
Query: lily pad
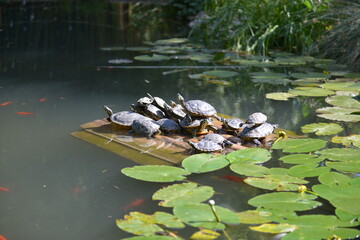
271, 80
348, 140
251, 155
255, 63
182, 193
171, 41
299, 145
312, 75
280, 96
154, 57
341, 86
147, 225
156, 173
341, 154
219, 73
348, 166
249, 169
343, 101
276, 182
268, 75
201, 215
309, 170
262, 215
285, 201
201, 57
205, 234
200, 163
311, 91
274, 228
322, 128
334, 179
301, 159
339, 114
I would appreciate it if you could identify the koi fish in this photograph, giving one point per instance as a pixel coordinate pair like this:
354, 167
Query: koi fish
2, 237
42, 99
6, 103
232, 178
135, 203
5, 190
25, 113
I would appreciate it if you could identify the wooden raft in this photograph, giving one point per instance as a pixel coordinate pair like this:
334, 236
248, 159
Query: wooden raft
163, 149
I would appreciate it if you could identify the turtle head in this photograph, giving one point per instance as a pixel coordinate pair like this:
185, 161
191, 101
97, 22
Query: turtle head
108, 110
151, 97
181, 99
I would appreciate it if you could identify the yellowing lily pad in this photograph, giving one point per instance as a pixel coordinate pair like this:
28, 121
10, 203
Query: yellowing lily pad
311, 91
276, 182
348, 140
343, 101
299, 145
205, 234
322, 128
280, 96
156, 173
275, 228
219, 73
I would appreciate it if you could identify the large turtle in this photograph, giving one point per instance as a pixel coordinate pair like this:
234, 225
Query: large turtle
218, 139
232, 125
197, 108
168, 125
256, 119
258, 133
123, 119
206, 146
145, 127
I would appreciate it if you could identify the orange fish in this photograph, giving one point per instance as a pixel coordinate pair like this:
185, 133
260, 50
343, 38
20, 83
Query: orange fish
6, 103
232, 178
2, 237
5, 190
25, 113
135, 203
42, 99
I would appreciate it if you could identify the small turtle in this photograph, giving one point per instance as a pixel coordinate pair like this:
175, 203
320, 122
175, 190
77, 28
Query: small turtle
144, 101
123, 119
256, 119
233, 125
175, 112
145, 127
148, 110
197, 107
197, 126
218, 139
158, 102
168, 125
257, 134
206, 146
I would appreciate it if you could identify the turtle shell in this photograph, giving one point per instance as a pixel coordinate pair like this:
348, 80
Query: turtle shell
200, 108
157, 101
206, 146
124, 118
145, 127
154, 112
214, 137
260, 131
168, 125
175, 111
233, 123
256, 118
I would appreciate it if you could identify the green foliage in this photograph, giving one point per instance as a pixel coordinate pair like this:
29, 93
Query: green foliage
255, 26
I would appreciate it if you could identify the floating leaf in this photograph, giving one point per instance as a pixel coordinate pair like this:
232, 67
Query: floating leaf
201, 215
154, 57
143, 224
322, 128
156, 237
280, 96
339, 114
271, 80
182, 193
219, 73
341, 86
268, 75
249, 169
155, 173
299, 145
285, 201
276, 182
255, 63
345, 216
341, 154
137, 49
205, 234
348, 166
275, 228
311, 91
301, 159
313, 75
201, 57
251, 155
343, 101
200, 163
309, 170
262, 215
334, 179
171, 41
307, 82
348, 140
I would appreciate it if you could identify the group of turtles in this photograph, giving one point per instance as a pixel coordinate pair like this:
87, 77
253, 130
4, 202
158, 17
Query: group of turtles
151, 116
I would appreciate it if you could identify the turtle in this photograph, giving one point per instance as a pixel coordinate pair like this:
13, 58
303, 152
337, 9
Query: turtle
258, 133
147, 127
144, 101
206, 146
196, 126
148, 110
217, 138
122, 119
197, 108
168, 125
175, 112
233, 125
256, 119
158, 102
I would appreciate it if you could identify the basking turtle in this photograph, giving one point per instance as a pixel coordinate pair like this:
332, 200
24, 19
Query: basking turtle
175, 112
233, 125
145, 127
197, 126
257, 134
144, 101
206, 146
256, 119
123, 119
158, 102
148, 110
197, 108
168, 125
217, 138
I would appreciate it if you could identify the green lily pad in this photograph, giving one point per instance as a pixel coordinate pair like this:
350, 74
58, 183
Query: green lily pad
251, 155
143, 224
182, 193
341, 86
307, 82
262, 215
154, 57
271, 80
276, 182
334, 179
171, 41
341, 154
301, 159
201, 215
200, 163
274, 228
205, 234
348, 166
285, 201
268, 75
322, 128
348, 140
156, 173
343, 101
339, 114
309, 170
219, 73
280, 96
248, 169
311, 91
299, 145
201, 57
312, 75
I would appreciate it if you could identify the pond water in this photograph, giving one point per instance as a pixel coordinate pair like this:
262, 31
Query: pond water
52, 66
